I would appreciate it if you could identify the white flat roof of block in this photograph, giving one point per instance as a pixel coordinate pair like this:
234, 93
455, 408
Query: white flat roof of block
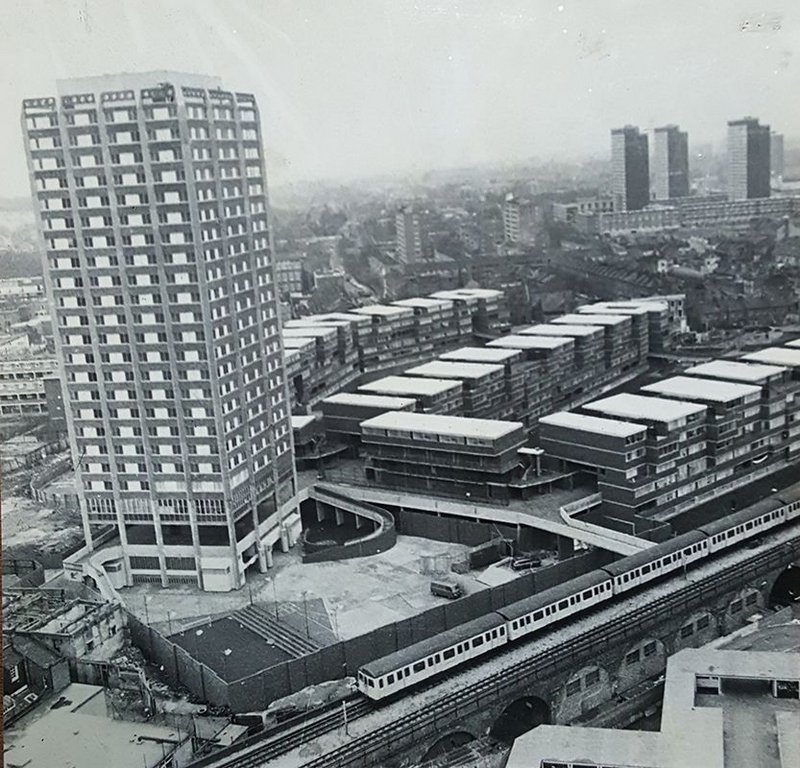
557, 329
371, 401
316, 322
631, 406
594, 424
424, 302
457, 426
702, 389
410, 385
455, 370
468, 293
518, 341
578, 319
730, 369
294, 342
607, 309
309, 332
788, 356
383, 310
298, 422
481, 354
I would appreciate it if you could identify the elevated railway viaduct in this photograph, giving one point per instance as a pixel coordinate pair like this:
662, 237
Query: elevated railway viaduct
595, 660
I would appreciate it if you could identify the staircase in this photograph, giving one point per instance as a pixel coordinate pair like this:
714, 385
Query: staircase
260, 621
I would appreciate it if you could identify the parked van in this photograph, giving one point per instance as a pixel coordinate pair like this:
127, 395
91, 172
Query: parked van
446, 589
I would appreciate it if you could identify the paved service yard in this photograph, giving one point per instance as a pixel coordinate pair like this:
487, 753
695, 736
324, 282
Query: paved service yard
360, 594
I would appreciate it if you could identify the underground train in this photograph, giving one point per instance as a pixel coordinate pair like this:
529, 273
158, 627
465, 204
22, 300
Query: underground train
384, 677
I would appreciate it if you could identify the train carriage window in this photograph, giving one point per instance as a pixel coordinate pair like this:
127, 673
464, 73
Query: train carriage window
632, 657
538, 615
563, 604
731, 533
438, 658
389, 679
477, 641
649, 649
430, 661
749, 526
645, 569
449, 653
573, 687
502, 630
702, 622
573, 600
751, 598
370, 682
380, 683
419, 666
686, 630
736, 606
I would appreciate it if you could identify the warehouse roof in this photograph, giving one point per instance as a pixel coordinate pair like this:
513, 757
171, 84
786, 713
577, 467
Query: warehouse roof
578, 319
370, 401
553, 329
410, 385
454, 370
631, 406
594, 424
788, 356
730, 369
693, 388
518, 341
455, 426
481, 354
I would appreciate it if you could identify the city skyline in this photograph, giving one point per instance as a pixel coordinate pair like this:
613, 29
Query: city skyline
458, 98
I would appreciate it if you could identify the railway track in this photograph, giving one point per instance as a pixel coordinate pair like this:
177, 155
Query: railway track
369, 748
283, 738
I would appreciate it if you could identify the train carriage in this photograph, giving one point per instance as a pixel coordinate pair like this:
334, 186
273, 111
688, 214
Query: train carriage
790, 499
405, 668
658, 560
533, 613
743, 525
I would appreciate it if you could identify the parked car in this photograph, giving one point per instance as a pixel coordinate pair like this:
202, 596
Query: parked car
446, 589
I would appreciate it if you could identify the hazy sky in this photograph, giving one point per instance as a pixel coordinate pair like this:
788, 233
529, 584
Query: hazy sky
351, 88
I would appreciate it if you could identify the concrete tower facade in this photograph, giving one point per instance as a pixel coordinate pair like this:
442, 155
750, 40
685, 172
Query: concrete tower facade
748, 159
630, 168
670, 163
152, 208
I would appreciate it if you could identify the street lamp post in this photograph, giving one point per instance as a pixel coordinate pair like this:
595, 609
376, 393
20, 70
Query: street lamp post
227, 652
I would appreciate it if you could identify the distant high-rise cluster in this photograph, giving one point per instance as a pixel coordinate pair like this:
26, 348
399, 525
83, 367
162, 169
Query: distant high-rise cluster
630, 168
748, 159
670, 163
753, 156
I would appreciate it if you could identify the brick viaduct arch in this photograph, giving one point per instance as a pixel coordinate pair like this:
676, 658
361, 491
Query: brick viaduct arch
563, 695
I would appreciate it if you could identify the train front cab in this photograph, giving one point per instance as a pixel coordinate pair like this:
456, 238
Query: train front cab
409, 674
